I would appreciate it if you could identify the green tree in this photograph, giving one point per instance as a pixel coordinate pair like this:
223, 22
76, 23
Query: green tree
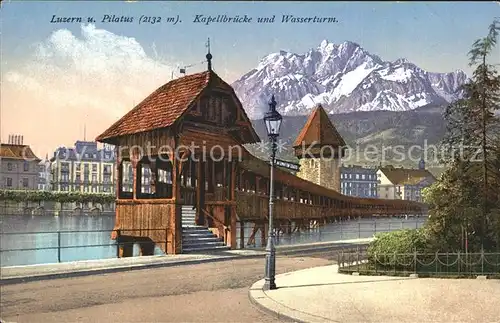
464, 203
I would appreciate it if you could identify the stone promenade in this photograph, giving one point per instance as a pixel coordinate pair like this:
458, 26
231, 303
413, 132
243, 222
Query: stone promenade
322, 295
19, 274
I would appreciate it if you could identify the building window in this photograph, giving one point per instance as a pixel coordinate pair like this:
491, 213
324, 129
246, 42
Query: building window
94, 178
8, 182
94, 167
78, 179
64, 167
9, 166
211, 109
26, 166
78, 166
363, 176
25, 182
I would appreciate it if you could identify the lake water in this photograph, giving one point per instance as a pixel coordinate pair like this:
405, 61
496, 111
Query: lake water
88, 237
347, 230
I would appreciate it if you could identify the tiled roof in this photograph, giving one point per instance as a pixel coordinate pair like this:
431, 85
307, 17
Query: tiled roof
161, 108
319, 129
17, 152
402, 176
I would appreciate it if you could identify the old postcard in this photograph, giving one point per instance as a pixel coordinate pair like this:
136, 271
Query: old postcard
253, 161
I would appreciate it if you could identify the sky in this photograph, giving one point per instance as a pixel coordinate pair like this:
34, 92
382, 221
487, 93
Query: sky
58, 79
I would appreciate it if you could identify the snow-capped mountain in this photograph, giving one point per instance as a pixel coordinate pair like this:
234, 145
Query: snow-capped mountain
343, 78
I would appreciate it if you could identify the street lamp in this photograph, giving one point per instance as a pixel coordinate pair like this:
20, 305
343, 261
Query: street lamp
272, 120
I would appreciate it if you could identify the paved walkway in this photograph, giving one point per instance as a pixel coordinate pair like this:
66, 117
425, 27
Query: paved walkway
322, 295
205, 292
16, 274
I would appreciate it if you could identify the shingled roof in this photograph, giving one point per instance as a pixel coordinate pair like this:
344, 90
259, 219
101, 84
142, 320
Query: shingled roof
320, 130
9, 151
406, 176
161, 108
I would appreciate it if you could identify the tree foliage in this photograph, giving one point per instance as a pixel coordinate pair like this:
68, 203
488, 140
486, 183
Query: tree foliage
61, 197
464, 202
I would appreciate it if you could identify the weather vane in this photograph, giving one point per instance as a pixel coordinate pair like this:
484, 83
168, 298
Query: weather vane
182, 70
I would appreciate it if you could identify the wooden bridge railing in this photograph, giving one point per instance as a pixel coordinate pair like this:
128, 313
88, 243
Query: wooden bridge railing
251, 206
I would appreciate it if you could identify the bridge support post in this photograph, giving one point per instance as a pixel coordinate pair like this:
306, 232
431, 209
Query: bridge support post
242, 235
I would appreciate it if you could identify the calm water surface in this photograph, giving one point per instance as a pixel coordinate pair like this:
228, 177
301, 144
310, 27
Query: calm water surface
90, 236
41, 232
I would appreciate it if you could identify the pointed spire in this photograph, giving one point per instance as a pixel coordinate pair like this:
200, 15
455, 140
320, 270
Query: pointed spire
272, 103
209, 56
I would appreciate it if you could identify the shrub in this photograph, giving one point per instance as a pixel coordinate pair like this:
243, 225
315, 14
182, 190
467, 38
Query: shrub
61, 197
396, 248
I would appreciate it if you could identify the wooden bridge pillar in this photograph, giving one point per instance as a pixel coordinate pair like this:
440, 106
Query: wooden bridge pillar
242, 235
232, 238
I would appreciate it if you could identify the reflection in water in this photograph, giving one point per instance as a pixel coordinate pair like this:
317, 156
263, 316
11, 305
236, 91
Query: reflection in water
92, 241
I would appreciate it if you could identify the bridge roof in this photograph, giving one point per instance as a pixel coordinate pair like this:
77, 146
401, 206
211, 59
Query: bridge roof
261, 167
319, 130
166, 105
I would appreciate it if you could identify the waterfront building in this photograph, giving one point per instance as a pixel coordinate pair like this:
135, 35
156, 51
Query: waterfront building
360, 181
44, 175
18, 165
403, 183
83, 168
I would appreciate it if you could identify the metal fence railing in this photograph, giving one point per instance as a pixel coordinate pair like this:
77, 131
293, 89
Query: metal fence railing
425, 264
23, 248
342, 230
37, 244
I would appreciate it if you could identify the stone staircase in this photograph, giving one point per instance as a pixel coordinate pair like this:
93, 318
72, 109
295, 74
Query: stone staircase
197, 238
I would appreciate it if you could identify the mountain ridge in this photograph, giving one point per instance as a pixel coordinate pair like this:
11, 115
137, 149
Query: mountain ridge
343, 78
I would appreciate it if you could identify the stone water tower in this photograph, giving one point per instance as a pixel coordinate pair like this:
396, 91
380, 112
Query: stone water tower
319, 148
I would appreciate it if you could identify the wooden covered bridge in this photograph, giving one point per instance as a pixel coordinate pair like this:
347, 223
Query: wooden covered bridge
189, 135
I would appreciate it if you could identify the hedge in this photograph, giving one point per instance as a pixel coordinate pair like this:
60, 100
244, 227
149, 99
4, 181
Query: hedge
401, 242
61, 197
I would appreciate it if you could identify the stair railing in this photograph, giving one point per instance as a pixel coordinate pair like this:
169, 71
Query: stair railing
218, 222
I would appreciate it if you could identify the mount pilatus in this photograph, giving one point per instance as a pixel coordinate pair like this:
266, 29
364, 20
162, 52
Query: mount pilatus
343, 78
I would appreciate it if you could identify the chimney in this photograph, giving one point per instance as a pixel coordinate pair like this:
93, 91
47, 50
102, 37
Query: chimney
22, 140
10, 139
15, 140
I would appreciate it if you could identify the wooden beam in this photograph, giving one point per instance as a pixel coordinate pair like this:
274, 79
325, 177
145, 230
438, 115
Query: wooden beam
233, 180
242, 235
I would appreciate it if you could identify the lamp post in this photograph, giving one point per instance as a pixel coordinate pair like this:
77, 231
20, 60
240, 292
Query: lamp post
272, 120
